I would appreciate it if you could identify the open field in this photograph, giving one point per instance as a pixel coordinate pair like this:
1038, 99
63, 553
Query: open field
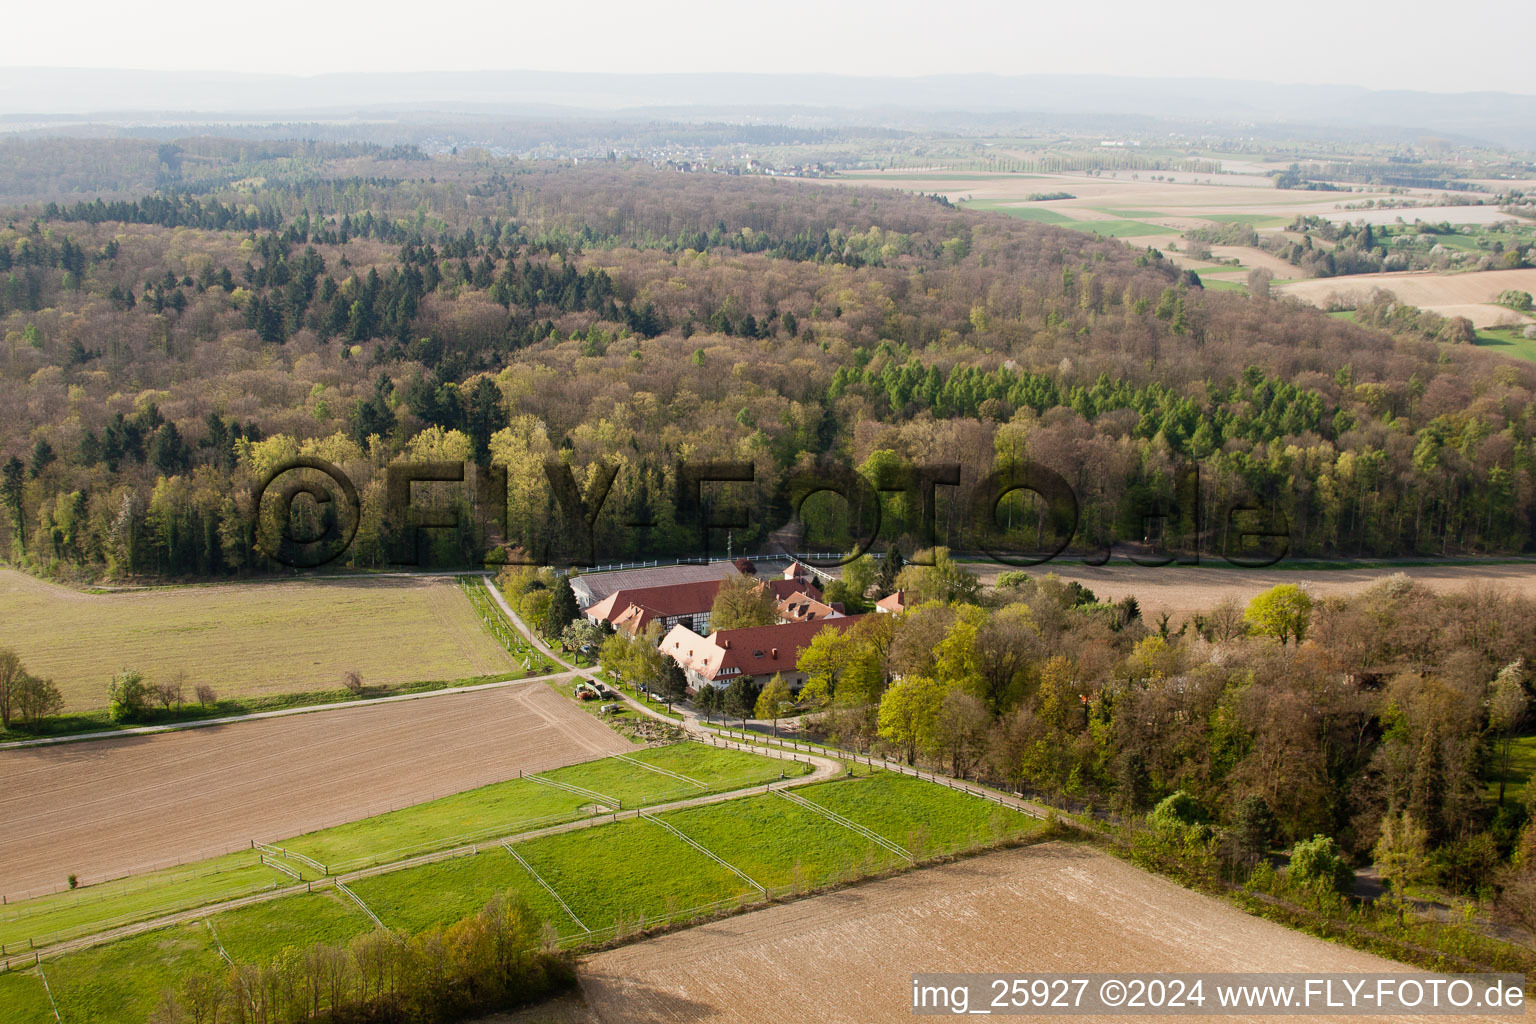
504, 808
780, 843
1522, 765
1468, 294
248, 638
123, 981
1450, 293
1509, 343
610, 877
1182, 591
849, 956
94, 908
475, 816
256, 934
919, 816
119, 806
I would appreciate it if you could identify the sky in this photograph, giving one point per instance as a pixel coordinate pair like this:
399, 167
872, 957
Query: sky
1410, 44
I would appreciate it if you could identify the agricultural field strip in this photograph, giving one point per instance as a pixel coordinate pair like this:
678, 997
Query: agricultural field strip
707, 852
547, 887
355, 898
278, 851
284, 868
662, 771
201, 723
166, 909
462, 841
1017, 803
832, 815
607, 801
85, 942
343, 868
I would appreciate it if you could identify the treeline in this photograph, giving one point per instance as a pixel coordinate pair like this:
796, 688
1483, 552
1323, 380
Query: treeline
493, 960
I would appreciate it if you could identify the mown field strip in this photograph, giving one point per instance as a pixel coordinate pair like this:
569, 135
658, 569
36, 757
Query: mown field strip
547, 887
359, 901
869, 834
707, 852
662, 771
607, 801
278, 851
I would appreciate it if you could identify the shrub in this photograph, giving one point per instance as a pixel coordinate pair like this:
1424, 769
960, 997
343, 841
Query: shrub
128, 697
1178, 814
1318, 862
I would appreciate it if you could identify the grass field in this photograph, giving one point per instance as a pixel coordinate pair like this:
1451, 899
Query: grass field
1508, 342
520, 804
250, 638
95, 908
920, 816
779, 843
1522, 765
439, 894
479, 814
257, 933
1253, 220
613, 876
1116, 228
1035, 213
23, 999
629, 871
122, 981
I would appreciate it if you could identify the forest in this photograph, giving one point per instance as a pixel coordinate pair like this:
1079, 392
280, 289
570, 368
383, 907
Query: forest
165, 353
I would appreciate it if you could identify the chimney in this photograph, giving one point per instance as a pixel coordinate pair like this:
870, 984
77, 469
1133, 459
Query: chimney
775, 652
726, 644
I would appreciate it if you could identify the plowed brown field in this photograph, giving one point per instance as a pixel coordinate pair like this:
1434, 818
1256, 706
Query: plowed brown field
109, 807
1185, 591
850, 956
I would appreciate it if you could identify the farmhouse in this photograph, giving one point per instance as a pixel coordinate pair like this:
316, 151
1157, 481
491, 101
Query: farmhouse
756, 653
892, 604
804, 607
593, 587
633, 609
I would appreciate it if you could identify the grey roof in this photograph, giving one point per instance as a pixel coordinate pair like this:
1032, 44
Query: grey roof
593, 587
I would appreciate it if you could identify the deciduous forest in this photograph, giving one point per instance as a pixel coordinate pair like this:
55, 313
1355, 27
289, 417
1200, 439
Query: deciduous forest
165, 350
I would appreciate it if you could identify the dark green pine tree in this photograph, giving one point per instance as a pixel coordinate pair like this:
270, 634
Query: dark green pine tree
562, 609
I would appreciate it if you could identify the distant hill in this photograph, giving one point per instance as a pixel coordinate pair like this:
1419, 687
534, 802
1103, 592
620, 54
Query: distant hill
1503, 119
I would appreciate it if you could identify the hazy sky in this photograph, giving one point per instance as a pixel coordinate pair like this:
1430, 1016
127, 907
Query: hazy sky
1410, 44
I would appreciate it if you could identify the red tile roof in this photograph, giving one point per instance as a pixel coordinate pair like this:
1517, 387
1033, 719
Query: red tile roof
758, 650
637, 607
